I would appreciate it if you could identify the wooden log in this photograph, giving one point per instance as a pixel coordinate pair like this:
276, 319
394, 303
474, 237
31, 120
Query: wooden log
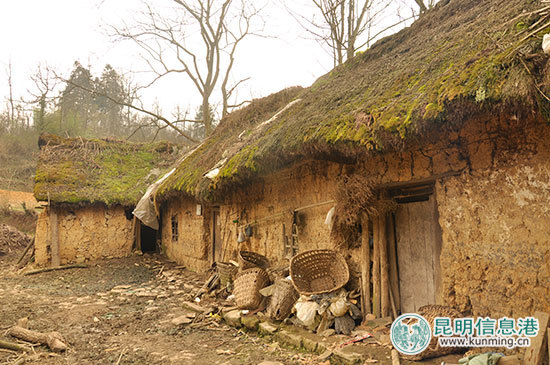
365, 266
13, 346
54, 239
535, 354
38, 271
392, 258
53, 340
385, 307
394, 357
393, 307
509, 360
31, 243
376, 269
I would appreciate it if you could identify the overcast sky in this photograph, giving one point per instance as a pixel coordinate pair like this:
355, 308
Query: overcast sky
59, 32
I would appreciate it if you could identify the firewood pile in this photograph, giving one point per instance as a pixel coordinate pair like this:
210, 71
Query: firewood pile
12, 239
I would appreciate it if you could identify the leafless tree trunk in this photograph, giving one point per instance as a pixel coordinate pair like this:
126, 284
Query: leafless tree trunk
11, 102
346, 26
44, 83
172, 47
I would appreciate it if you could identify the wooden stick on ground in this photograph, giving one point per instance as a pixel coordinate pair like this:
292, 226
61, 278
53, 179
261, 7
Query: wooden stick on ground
75, 266
31, 243
53, 340
13, 346
394, 357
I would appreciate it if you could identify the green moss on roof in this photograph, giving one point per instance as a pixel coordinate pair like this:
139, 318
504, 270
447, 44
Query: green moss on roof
461, 52
83, 171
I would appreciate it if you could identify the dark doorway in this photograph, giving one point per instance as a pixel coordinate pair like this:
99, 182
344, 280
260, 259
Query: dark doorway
148, 238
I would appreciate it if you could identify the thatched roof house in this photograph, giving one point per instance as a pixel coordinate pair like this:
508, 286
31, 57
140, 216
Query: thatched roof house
91, 187
438, 134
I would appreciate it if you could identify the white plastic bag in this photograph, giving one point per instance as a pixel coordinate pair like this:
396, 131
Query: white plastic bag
306, 312
339, 308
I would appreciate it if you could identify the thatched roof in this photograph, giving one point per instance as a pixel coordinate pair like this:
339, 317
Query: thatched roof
91, 171
463, 56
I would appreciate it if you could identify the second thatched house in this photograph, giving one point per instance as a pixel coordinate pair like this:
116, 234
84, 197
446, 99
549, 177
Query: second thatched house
90, 188
433, 147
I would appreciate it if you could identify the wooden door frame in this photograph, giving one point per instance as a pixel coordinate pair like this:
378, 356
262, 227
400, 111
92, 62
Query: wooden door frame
410, 193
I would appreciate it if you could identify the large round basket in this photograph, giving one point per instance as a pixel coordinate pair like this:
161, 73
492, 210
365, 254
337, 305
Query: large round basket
318, 271
247, 287
430, 312
283, 299
248, 260
226, 272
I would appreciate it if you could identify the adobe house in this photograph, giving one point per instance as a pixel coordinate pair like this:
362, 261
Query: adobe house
90, 188
434, 148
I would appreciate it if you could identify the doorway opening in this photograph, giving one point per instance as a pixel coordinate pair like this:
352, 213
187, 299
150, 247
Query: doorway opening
418, 246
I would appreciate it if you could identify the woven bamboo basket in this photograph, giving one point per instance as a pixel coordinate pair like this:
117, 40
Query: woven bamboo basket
226, 272
430, 312
318, 271
247, 287
248, 260
283, 299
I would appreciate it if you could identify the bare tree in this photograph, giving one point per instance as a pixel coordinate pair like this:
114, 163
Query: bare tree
44, 84
346, 26
200, 41
10, 101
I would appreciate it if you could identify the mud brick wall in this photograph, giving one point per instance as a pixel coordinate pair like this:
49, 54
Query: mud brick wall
85, 233
496, 237
192, 247
270, 202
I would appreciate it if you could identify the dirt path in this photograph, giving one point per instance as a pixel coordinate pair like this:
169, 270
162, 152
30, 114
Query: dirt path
122, 309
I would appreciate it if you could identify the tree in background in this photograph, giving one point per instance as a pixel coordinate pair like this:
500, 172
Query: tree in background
200, 41
347, 26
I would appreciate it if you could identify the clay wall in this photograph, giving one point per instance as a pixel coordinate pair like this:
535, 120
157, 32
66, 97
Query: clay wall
85, 233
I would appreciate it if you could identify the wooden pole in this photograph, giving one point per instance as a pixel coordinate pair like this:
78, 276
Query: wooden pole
365, 266
31, 243
376, 269
54, 239
392, 257
38, 271
13, 346
384, 272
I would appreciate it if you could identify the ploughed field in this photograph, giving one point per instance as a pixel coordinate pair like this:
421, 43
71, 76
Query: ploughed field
122, 311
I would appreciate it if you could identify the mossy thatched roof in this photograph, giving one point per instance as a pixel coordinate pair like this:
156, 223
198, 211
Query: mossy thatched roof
91, 171
463, 54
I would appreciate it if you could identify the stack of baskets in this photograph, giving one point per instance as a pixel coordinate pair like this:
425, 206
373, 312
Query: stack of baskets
248, 284
318, 271
251, 278
248, 259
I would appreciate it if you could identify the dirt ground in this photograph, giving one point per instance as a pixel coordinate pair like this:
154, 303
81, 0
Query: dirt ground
119, 311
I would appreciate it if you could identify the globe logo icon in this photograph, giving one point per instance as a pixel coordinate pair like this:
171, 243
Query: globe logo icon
410, 334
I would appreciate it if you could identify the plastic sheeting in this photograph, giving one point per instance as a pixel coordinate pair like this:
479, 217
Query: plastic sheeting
145, 209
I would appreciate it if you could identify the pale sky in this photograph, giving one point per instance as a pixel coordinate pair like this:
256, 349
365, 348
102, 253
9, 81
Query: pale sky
58, 32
